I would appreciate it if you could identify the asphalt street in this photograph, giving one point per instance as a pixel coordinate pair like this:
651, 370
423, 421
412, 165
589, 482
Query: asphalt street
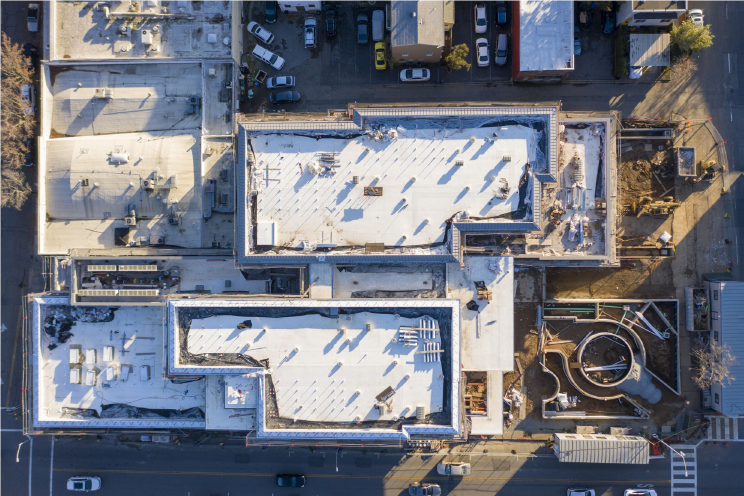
44, 464
236, 470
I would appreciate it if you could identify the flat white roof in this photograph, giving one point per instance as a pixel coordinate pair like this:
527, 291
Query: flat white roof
114, 99
317, 371
85, 216
328, 369
154, 30
546, 35
136, 336
427, 177
649, 50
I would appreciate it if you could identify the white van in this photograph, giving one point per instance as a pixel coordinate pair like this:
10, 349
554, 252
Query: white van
378, 25
270, 58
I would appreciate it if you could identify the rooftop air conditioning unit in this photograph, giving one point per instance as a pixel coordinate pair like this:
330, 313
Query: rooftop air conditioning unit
130, 221
146, 37
212, 72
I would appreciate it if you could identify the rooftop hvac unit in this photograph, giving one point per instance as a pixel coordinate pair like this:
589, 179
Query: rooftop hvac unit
125, 370
120, 158
74, 376
101, 268
144, 373
147, 37
108, 353
212, 72
459, 163
90, 356
139, 268
130, 220
383, 408
104, 93
420, 412
90, 377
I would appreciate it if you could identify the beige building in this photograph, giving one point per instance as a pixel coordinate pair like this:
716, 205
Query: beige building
421, 31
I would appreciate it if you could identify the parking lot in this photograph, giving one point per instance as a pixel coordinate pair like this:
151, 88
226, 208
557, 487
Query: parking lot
340, 63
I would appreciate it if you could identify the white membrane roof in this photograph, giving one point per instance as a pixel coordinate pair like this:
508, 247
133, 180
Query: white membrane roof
422, 184
321, 374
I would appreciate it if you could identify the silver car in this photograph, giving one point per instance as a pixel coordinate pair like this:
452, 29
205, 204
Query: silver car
280, 82
413, 75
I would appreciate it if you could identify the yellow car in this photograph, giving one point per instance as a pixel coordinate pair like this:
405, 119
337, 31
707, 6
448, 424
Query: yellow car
380, 63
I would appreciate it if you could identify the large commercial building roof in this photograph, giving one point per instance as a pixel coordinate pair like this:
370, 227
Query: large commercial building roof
355, 368
400, 179
545, 35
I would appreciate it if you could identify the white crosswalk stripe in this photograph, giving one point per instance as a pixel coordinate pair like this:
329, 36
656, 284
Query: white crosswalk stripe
722, 428
684, 471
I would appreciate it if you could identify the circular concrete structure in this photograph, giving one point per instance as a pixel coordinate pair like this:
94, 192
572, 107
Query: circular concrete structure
606, 359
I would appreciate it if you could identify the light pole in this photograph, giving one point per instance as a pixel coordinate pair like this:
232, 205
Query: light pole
684, 462
18, 452
339, 449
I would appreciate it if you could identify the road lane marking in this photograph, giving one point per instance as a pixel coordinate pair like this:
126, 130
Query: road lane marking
30, 461
348, 476
19, 331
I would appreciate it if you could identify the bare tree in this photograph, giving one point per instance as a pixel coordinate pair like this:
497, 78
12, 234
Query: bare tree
14, 66
15, 189
713, 365
16, 125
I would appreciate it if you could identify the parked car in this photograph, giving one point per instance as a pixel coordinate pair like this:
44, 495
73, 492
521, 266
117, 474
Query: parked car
639, 492
33, 17
30, 54
481, 48
580, 492
695, 14
502, 49
277, 82
413, 75
378, 25
453, 468
330, 23
635, 72
311, 25
362, 29
270, 12
500, 14
577, 41
83, 483
380, 63
256, 30
424, 489
270, 58
284, 97
481, 23
608, 22
28, 96
290, 480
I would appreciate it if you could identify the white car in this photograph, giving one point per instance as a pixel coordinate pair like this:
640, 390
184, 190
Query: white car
84, 483
481, 45
697, 17
635, 72
639, 492
280, 82
580, 492
270, 58
256, 30
481, 20
453, 468
410, 75
28, 95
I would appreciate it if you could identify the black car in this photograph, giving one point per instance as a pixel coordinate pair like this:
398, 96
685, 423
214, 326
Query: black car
362, 29
270, 12
290, 480
284, 97
31, 54
330, 23
500, 13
